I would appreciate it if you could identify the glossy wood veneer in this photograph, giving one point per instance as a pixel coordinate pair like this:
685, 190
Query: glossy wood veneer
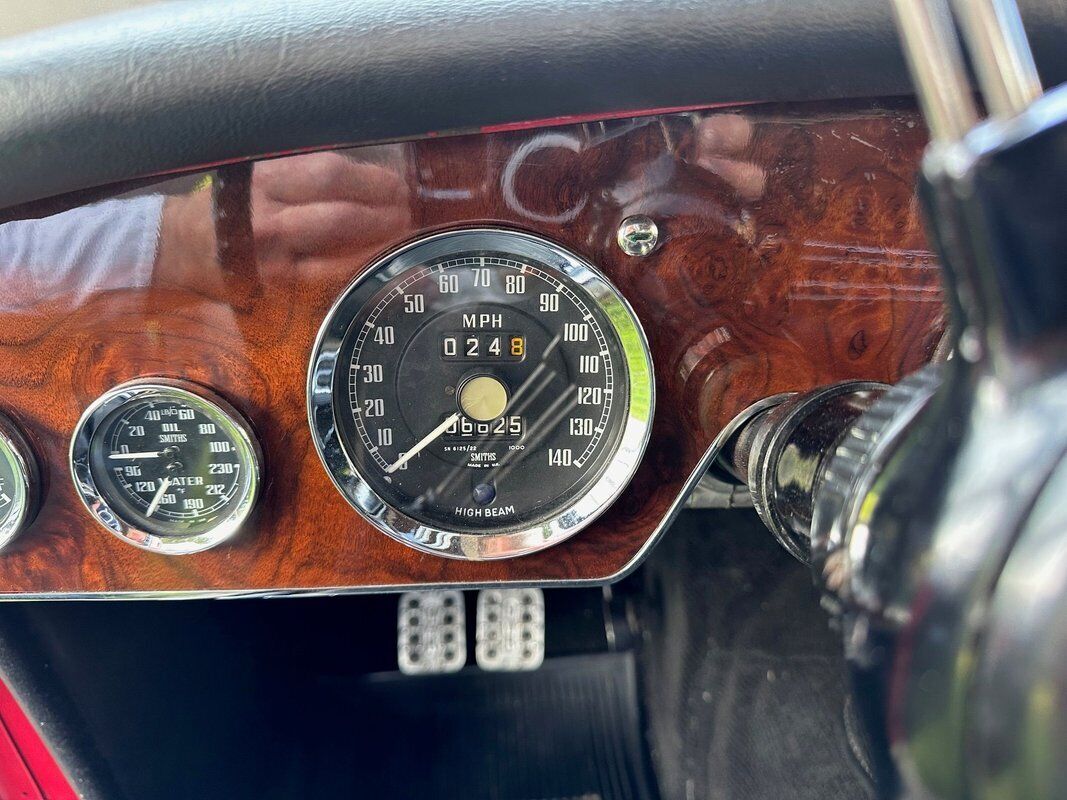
791, 256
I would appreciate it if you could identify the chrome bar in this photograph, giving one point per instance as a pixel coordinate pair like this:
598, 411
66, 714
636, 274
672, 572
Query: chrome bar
936, 63
994, 35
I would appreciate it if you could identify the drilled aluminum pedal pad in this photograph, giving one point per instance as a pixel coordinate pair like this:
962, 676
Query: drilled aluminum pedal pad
431, 633
511, 629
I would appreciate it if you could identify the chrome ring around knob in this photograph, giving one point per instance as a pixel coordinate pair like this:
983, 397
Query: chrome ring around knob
856, 462
789, 449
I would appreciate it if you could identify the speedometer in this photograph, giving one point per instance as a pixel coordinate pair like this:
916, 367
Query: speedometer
481, 394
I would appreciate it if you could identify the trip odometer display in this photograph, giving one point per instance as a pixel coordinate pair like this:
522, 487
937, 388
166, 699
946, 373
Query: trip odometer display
481, 394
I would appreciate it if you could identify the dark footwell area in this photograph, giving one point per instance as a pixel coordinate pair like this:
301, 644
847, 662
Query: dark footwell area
743, 679
709, 673
569, 730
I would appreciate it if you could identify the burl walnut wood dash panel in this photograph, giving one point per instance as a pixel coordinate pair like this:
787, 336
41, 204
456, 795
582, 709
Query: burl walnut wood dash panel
791, 256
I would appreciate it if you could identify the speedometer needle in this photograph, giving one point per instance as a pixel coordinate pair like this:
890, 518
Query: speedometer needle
155, 454
159, 497
425, 440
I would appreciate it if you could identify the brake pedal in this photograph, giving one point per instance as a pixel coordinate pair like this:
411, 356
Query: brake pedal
431, 633
510, 633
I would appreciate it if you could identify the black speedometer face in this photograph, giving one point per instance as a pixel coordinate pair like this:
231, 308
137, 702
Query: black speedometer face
166, 467
485, 385
509, 366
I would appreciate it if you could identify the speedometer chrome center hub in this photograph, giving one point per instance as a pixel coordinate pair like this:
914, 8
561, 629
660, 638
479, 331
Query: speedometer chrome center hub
483, 398
481, 394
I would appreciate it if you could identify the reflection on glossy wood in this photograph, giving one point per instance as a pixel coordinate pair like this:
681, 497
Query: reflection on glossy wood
791, 255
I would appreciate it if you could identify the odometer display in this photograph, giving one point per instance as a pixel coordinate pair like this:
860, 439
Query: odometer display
480, 347
491, 390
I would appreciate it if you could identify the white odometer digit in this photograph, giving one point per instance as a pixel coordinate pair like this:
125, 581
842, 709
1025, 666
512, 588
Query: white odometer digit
165, 467
481, 394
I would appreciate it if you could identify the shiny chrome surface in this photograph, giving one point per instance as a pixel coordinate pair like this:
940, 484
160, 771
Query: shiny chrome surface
936, 64
786, 451
839, 537
482, 546
1016, 725
932, 532
1000, 53
638, 236
96, 501
941, 533
721, 486
26, 492
714, 492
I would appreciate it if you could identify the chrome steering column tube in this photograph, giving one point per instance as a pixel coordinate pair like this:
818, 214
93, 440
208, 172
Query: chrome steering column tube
936, 519
782, 455
939, 524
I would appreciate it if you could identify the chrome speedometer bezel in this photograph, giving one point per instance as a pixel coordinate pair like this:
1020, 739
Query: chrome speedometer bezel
104, 512
507, 543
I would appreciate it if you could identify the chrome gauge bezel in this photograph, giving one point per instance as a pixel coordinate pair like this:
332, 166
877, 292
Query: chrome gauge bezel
27, 481
507, 543
133, 532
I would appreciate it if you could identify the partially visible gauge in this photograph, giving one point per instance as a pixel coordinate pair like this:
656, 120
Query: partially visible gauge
19, 482
166, 467
481, 394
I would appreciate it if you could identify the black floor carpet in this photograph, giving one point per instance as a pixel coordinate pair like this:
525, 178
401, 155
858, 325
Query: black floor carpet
743, 679
567, 731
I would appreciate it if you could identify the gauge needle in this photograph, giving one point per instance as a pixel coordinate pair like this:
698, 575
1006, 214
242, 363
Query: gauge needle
414, 451
159, 496
155, 454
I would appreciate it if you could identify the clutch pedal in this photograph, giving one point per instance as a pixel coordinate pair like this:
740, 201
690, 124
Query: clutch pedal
510, 633
431, 633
